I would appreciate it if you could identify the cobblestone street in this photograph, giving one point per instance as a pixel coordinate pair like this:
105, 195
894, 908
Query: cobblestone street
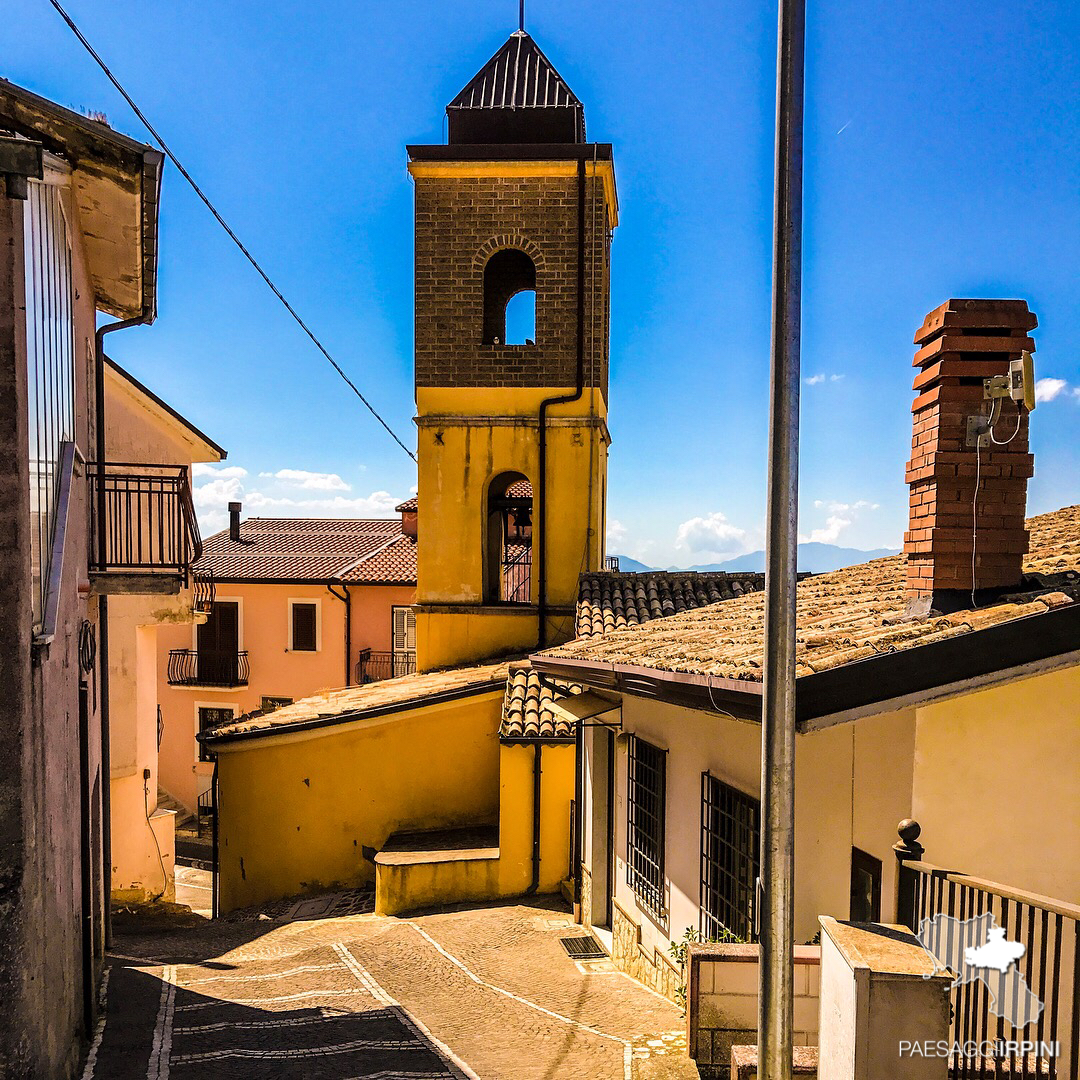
466, 993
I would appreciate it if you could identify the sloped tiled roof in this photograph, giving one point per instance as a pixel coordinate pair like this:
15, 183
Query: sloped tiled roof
842, 617
372, 551
526, 707
613, 601
394, 564
356, 702
407, 507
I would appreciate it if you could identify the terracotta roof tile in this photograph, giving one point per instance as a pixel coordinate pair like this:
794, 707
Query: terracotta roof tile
843, 616
613, 601
356, 701
311, 549
527, 710
393, 564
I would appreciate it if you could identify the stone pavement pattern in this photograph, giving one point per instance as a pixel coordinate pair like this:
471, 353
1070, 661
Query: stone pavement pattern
465, 993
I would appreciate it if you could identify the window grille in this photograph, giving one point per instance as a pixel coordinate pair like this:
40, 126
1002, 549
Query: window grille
730, 860
50, 391
210, 717
645, 824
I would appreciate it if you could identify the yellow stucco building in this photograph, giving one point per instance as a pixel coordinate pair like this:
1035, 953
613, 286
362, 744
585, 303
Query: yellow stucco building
456, 783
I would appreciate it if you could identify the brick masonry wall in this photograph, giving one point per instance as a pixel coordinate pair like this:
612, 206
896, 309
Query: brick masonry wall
460, 223
960, 344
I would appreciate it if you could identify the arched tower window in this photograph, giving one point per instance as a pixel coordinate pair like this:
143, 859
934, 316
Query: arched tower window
509, 318
508, 558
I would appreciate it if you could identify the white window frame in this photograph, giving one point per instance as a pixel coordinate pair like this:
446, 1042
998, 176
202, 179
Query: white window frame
239, 602
410, 618
293, 601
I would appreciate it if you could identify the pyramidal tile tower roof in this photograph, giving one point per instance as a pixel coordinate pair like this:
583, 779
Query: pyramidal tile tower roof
518, 77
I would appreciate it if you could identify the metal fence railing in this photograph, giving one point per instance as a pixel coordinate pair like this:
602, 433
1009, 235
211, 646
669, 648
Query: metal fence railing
189, 667
142, 519
1040, 992
373, 666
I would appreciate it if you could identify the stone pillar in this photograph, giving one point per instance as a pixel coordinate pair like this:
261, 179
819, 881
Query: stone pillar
961, 343
883, 1004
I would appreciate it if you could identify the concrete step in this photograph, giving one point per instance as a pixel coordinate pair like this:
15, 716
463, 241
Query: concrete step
166, 802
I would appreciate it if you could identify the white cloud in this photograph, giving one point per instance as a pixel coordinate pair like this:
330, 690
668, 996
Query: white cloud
1048, 389
839, 516
378, 504
815, 379
712, 533
229, 472
313, 481
835, 378
285, 493
616, 532
820, 377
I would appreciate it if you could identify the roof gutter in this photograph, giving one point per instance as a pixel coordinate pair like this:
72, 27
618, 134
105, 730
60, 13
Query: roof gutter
562, 399
1016, 649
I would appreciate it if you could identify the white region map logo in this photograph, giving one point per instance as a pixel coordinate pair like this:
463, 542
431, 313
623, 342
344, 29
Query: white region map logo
976, 950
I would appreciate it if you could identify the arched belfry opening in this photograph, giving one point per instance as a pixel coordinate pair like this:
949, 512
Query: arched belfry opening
508, 555
508, 276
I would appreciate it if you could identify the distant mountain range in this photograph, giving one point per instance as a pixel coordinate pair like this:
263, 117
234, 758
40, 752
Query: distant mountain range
813, 558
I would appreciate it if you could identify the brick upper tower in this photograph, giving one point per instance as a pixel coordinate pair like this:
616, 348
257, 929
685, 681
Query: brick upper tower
511, 399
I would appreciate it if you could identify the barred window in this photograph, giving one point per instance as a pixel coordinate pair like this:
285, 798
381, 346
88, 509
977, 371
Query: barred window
645, 824
730, 860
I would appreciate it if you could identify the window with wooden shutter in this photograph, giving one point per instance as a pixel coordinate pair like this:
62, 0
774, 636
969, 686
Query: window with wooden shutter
404, 629
304, 627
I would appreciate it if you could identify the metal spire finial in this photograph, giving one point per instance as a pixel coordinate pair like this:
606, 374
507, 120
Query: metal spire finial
521, 16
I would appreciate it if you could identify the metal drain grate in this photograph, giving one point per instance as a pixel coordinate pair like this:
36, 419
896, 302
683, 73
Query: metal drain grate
583, 948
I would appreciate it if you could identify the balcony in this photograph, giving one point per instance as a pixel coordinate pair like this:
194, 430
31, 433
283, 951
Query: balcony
143, 532
189, 667
374, 666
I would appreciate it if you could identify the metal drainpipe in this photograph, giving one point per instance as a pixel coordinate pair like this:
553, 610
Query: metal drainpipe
777, 886
564, 399
537, 774
103, 612
346, 599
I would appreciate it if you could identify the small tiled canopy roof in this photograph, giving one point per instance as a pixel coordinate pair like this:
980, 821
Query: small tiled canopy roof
407, 507
358, 702
314, 550
842, 617
614, 601
527, 710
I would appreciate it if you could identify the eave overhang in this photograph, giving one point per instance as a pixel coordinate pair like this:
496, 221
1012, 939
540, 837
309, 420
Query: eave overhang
876, 685
116, 186
517, 159
317, 723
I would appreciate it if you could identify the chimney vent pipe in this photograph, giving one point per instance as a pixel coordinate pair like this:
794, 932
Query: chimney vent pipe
234, 521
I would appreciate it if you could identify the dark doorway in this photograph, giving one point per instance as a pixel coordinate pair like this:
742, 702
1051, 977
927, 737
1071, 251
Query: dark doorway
865, 887
218, 642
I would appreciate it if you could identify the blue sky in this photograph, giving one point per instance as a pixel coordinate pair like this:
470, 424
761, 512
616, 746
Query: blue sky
942, 159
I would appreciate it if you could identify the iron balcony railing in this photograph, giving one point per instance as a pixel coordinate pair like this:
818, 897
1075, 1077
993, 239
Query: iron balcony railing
204, 818
142, 519
189, 667
517, 574
372, 666
1041, 991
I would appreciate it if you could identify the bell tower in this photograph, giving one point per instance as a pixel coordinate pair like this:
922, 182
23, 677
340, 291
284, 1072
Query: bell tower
514, 219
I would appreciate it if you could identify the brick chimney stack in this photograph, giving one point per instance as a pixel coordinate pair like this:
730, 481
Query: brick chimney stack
960, 344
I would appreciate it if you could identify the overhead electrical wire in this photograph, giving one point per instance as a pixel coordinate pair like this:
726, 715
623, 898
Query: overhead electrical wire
222, 222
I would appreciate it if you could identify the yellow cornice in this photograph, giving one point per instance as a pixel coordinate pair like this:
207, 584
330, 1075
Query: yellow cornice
508, 169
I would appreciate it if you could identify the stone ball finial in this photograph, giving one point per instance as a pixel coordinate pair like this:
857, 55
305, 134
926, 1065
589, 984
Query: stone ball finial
909, 830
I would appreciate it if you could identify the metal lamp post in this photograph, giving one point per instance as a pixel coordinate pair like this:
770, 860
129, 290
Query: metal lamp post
777, 888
